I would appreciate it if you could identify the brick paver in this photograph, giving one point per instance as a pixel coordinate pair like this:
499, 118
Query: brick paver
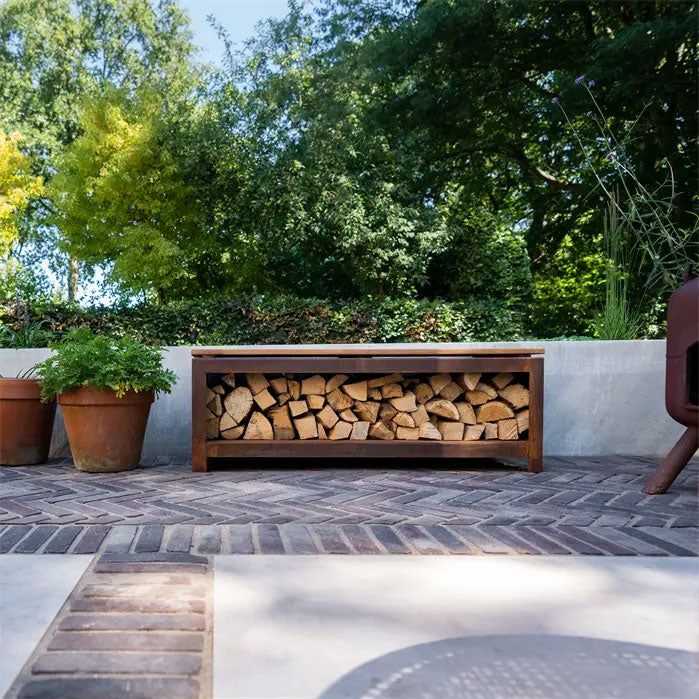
137, 625
580, 506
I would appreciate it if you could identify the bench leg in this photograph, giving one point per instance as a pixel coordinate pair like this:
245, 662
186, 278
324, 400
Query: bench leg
198, 416
536, 414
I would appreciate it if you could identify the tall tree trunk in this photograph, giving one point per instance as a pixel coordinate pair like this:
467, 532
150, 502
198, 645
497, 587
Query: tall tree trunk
73, 279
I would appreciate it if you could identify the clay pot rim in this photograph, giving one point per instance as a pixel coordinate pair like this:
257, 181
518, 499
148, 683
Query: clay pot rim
88, 395
12, 388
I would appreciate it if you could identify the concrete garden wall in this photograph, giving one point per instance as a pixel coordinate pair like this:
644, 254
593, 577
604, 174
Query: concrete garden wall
601, 398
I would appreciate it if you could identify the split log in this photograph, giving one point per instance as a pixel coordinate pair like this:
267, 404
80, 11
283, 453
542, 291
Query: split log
279, 385
420, 416
259, 427
383, 380
335, 382
229, 380
451, 431
443, 408
466, 413
210, 396
360, 430
327, 417
298, 407
380, 430
428, 431
494, 411
281, 423
374, 394
391, 390
211, 426
215, 405
315, 402
294, 389
477, 397
283, 398
367, 410
339, 400
233, 432
220, 389
522, 421
264, 399
226, 422
238, 403
474, 432
439, 381
502, 379
256, 382
491, 430
423, 393
348, 416
404, 420
406, 404
468, 381
408, 433
341, 430
451, 392
515, 395
321, 432
507, 429
306, 427
357, 390
313, 385
387, 412
487, 389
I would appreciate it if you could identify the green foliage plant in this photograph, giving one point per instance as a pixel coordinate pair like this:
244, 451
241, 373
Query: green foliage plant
616, 321
646, 211
85, 359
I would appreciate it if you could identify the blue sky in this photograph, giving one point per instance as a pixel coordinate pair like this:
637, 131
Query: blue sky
239, 18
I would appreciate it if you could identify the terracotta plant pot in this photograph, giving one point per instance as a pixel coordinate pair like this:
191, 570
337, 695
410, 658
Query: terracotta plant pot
26, 423
105, 432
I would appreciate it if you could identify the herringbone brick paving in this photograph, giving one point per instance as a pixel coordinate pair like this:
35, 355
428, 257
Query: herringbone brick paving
581, 506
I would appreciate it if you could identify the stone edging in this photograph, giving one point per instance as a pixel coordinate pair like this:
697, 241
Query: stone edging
135, 625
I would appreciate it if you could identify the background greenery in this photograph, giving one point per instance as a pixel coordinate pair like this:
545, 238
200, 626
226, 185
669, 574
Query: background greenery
404, 159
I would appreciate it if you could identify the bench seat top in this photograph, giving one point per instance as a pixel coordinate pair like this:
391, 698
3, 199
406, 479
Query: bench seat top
414, 349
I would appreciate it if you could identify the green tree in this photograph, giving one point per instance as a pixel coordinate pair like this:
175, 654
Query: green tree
120, 197
53, 53
17, 187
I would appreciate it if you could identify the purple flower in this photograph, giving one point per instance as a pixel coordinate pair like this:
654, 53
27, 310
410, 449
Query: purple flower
589, 114
579, 79
555, 100
591, 83
611, 155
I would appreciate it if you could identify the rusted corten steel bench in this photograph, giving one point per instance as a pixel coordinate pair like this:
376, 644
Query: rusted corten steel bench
392, 400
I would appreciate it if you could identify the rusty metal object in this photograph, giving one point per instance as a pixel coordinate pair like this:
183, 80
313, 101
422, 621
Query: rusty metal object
681, 382
105, 432
25, 423
434, 360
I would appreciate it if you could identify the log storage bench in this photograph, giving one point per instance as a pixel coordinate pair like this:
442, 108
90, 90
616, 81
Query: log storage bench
392, 400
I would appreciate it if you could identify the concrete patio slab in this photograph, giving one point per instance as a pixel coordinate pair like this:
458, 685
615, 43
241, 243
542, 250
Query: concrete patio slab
32, 591
336, 626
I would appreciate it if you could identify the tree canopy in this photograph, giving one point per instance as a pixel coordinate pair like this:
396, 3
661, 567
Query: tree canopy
431, 148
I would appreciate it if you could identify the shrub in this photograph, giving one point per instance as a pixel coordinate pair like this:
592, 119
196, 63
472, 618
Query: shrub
285, 320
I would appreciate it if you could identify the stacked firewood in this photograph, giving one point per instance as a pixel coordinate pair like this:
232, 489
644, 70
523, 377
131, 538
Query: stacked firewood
451, 407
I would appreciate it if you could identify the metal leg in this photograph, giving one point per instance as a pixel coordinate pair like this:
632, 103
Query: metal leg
674, 462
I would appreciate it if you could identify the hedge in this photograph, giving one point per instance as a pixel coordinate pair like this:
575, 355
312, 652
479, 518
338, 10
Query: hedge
280, 320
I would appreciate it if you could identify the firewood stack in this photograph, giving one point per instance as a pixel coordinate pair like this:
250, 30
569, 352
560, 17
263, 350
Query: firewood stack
452, 407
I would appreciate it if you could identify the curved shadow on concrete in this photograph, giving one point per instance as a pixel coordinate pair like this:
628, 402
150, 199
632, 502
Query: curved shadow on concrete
484, 667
